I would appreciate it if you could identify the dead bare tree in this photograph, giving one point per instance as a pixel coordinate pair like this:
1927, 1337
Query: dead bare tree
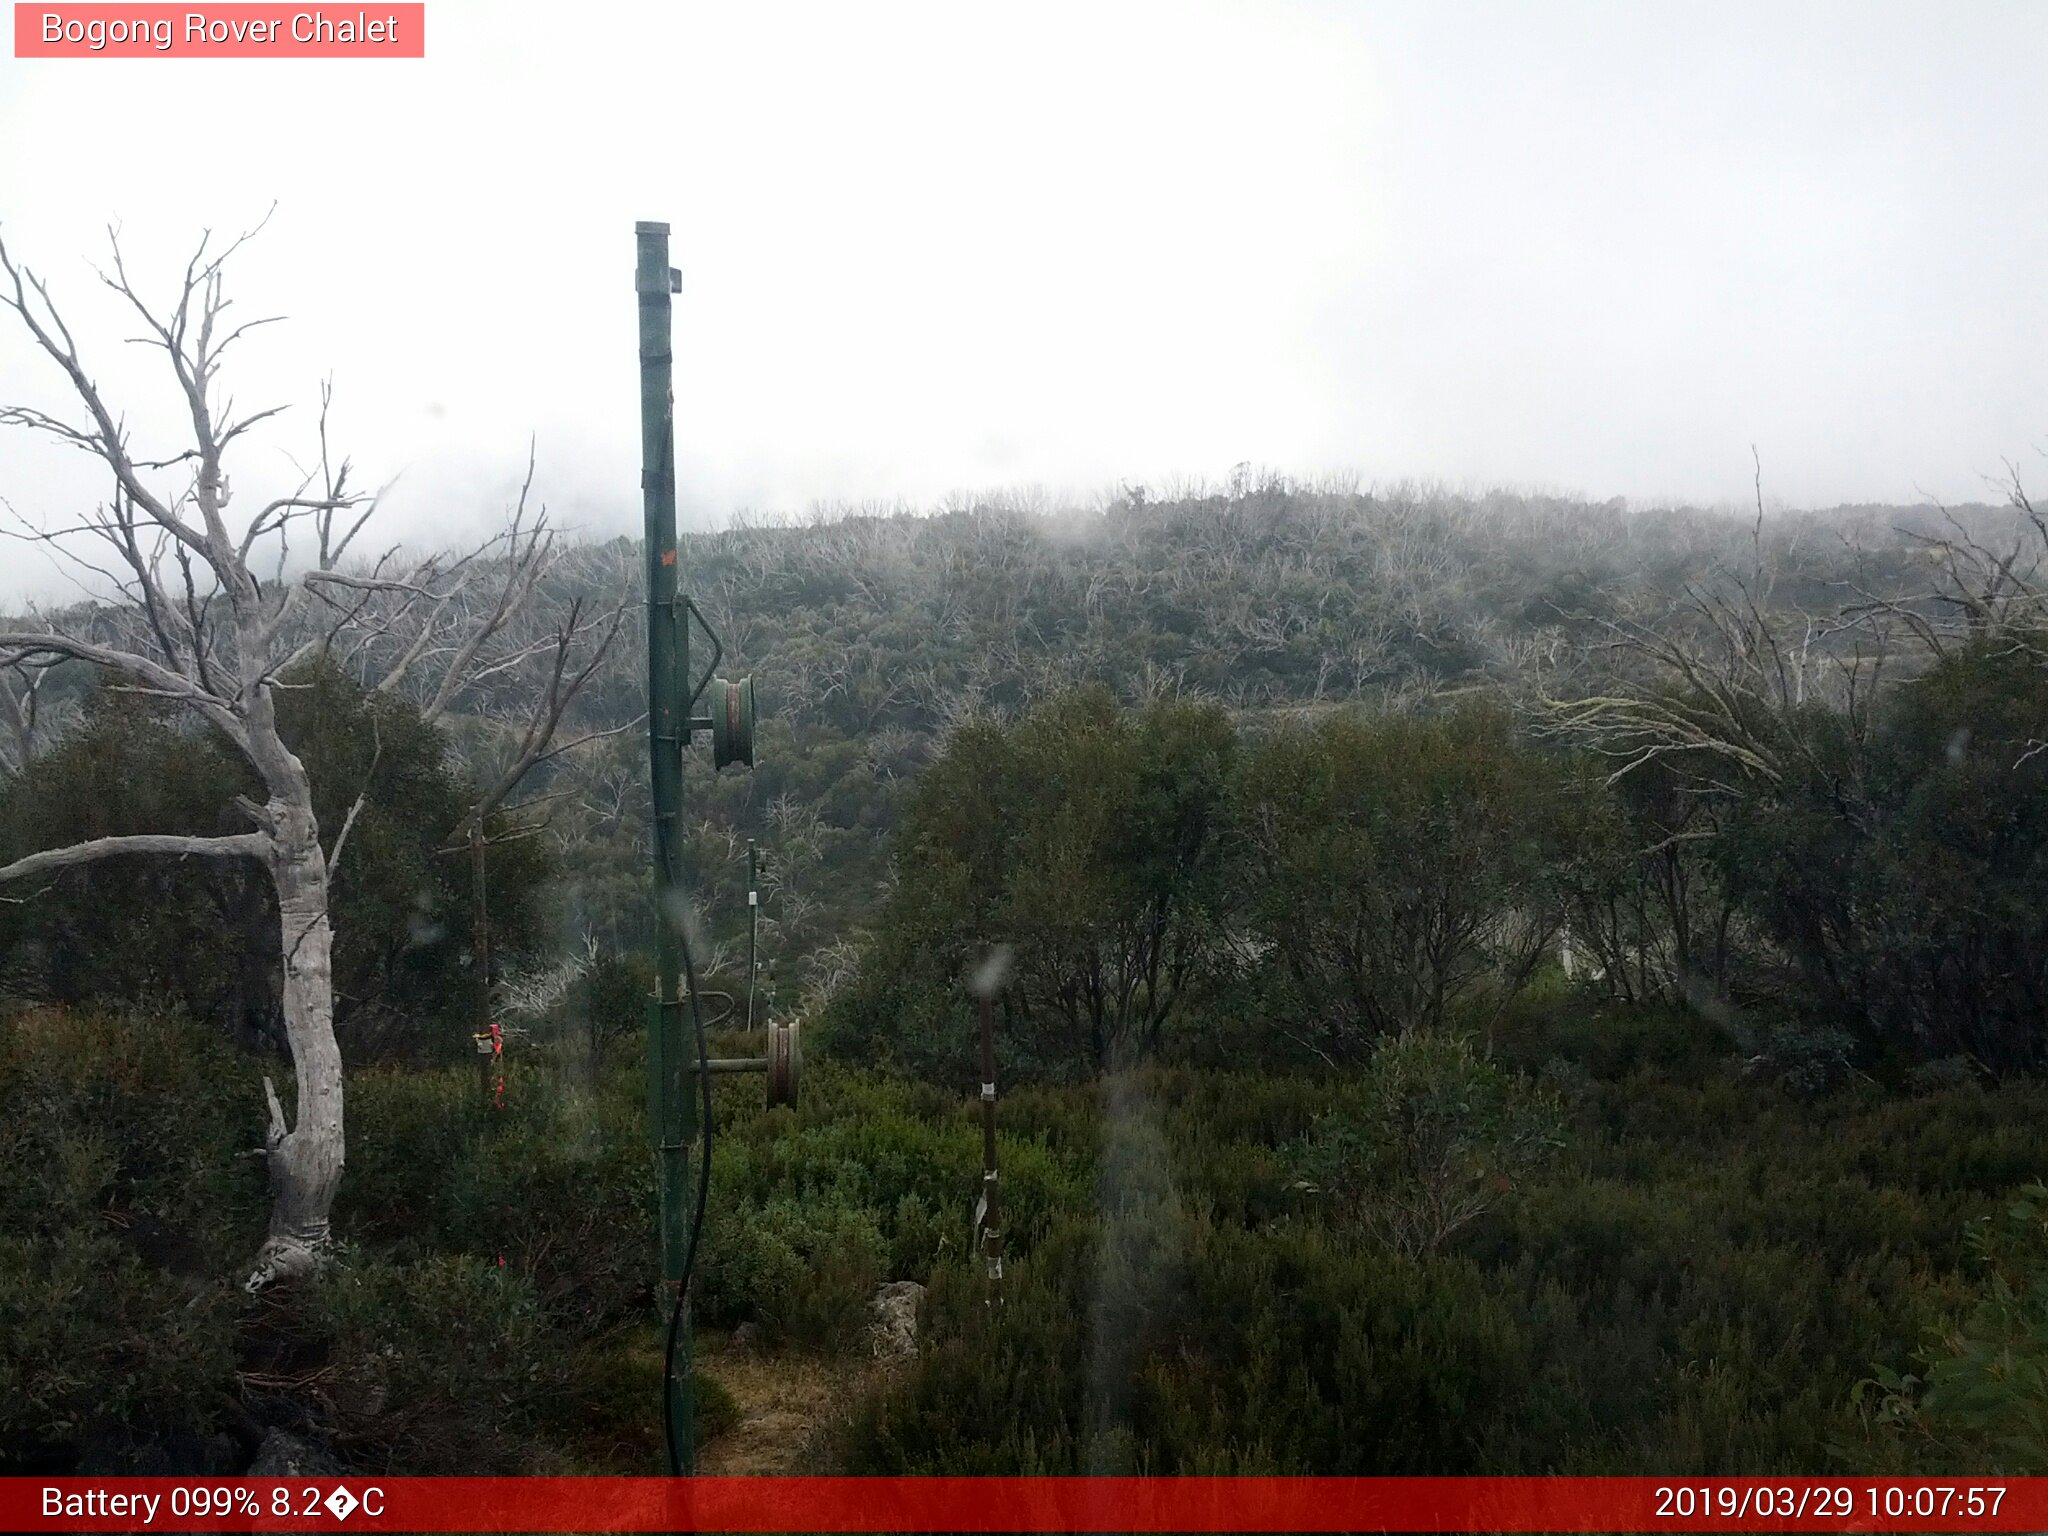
22, 713
1985, 592
1733, 669
538, 726
195, 624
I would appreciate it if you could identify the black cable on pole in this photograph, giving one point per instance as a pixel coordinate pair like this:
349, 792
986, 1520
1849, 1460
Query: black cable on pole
672, 873
731, 1007
675, 1317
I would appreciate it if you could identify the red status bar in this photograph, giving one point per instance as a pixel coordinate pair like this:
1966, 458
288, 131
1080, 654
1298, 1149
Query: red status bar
1023, 1504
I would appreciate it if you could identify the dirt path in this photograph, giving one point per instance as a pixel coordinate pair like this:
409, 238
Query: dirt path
784, 1399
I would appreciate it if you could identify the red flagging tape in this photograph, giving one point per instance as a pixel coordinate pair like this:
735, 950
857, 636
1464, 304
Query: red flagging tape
1024, 1504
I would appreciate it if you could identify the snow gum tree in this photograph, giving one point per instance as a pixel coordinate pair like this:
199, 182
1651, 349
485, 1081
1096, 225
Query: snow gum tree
214, 602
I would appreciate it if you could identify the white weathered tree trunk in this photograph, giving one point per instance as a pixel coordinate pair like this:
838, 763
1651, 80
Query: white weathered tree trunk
305, 1160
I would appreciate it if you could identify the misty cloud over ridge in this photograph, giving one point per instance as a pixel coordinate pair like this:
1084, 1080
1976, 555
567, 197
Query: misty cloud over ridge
1580, 246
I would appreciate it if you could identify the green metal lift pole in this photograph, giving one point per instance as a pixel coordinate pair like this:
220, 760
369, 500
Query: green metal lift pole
671, 1102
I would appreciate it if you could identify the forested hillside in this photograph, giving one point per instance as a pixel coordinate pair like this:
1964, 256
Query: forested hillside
1496, 983
871, 635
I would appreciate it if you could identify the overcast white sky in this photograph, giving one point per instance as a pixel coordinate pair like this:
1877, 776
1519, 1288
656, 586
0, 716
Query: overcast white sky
1591, 247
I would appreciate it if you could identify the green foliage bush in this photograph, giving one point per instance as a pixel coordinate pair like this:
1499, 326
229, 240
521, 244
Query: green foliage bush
870, 1179
1157, 879
804, 1269
1876, 871
613, 995
1090, 841
1978, 1402
1441, 1137
565, 1192
1165, 1342
1396, 865
202, 935
121, 1195
98, 1348
440, 1366
1607, 1041
406, 1128
1844, 889
1695, 1282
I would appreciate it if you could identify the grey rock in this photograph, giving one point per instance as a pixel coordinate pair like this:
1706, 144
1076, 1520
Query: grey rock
894, 1310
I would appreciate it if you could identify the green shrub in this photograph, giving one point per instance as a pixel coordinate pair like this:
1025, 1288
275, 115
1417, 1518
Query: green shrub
1087, 839
1440, 1138
1177, 1345
1695, 1283
406, 1128
1611, 1041
122, 1204
920, 1238
440, 1366
1942, 1075
98, 1347
171, 1107
1401, 868
612, 1001
566, 1194
1805, 1060
804, 1270
1980, 1398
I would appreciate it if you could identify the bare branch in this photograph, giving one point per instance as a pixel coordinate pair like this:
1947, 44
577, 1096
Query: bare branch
240, 845
355, 810
278, 1128
367, 583
28, 645
525, 563
39, 315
